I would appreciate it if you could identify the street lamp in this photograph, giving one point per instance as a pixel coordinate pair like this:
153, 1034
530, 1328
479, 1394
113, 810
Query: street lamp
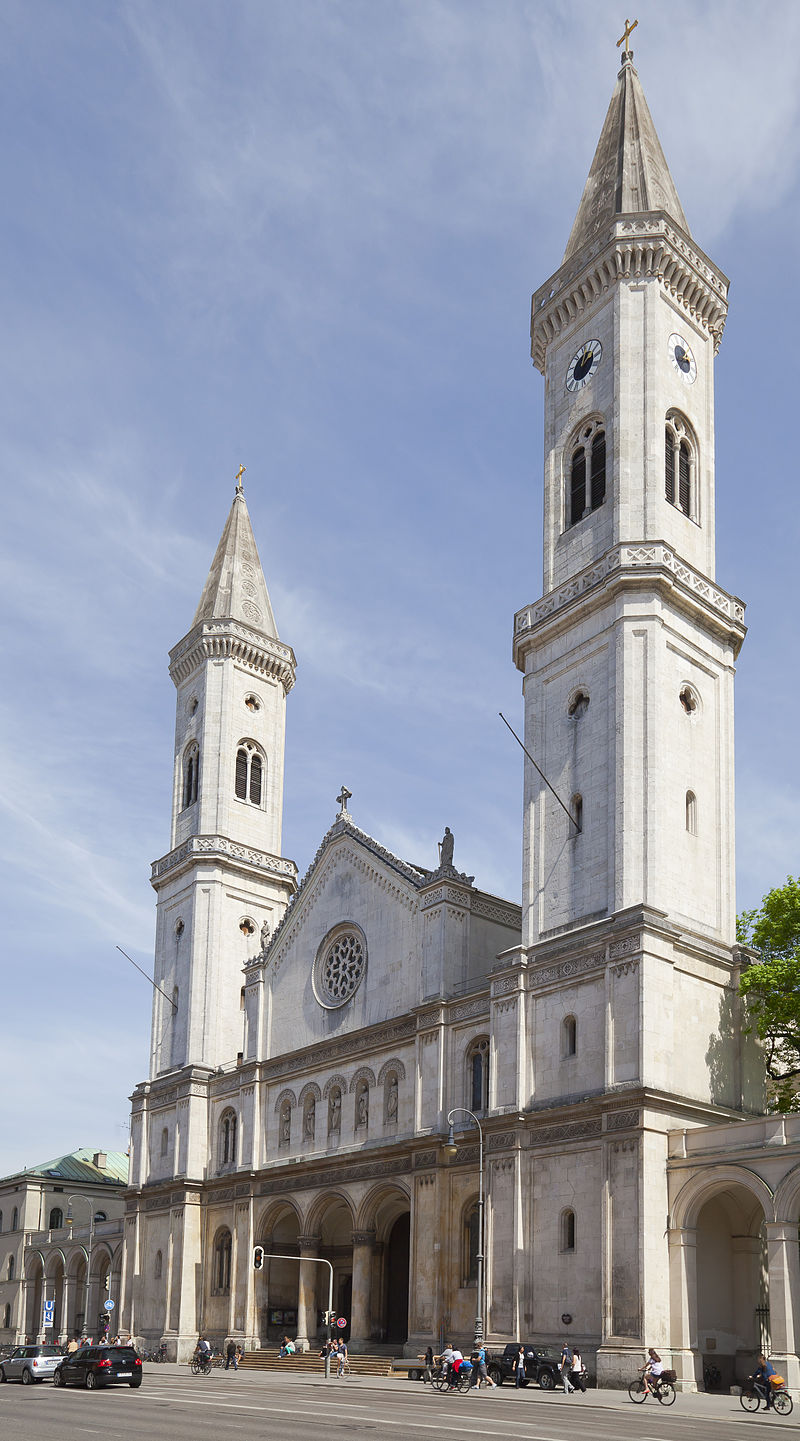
450, 1149
90, 1203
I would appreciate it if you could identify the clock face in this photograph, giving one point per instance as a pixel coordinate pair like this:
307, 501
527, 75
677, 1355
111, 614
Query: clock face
682, 359
583, 365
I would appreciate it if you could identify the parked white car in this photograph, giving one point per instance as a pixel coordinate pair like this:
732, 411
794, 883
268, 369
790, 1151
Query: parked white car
30, 1363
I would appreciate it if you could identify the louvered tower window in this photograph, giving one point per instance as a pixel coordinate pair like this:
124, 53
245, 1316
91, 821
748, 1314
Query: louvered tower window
680, 466
587, 473
249, 782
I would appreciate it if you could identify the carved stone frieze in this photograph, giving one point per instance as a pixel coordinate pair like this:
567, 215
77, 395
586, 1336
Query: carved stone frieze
502, 1167
652, 556
508, 1005
335, 1176
568, 1131
425, 1158
492, 910
465, 1009
505, 984
243, 1190
428, 1180
625, 947
564, 970
229, 850
364, 1238
355, 1044
499, 1140
621, 1120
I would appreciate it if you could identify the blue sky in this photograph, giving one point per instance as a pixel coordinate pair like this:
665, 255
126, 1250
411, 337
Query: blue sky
304, 235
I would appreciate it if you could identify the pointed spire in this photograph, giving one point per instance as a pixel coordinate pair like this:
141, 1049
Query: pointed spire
236, 588
629, 173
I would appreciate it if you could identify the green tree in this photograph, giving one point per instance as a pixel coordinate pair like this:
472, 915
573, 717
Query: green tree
771, 986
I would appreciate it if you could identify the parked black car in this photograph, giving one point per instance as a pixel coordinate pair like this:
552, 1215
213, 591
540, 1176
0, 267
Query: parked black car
95, 1366
541, 1366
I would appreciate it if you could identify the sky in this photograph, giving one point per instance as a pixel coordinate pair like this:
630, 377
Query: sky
303, 235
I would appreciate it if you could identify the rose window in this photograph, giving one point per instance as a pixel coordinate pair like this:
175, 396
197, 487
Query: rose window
342, 968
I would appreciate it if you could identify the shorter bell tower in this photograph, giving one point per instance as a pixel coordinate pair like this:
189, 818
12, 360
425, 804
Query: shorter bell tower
224, 885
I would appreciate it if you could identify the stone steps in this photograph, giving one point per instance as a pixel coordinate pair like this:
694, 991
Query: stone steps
310, 1362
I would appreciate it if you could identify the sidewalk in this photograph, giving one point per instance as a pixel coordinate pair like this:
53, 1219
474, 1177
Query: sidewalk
687, 1403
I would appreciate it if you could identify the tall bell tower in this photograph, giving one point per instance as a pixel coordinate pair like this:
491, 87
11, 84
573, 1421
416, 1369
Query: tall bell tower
629, 952
629, 656
223, 879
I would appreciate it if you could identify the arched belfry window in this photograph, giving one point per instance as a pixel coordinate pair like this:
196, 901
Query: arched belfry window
478, 1074
191, 774
56, 1219
227, 1139
222, 1264
680, 465
587, 472
250, 767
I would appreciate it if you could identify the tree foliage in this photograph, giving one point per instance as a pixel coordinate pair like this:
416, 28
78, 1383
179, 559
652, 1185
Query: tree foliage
771, 986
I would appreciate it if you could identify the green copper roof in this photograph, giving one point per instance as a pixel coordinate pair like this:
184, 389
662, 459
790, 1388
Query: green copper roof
80, 1166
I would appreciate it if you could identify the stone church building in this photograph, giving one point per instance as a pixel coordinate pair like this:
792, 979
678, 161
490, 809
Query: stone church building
310, 1037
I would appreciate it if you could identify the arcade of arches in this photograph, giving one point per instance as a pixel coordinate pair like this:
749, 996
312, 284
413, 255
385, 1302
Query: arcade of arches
58, 1274
369, 1254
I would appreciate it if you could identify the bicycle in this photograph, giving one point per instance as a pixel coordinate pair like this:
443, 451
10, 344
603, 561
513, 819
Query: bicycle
201, 1365
753, 1393
640, 1389
442, 1380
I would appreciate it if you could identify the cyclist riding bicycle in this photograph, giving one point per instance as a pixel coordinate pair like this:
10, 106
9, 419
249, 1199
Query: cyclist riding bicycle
652, 1368
762, 1380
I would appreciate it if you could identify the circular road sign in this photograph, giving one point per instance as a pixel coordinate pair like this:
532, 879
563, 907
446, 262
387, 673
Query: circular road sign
342, 1322
108, 1305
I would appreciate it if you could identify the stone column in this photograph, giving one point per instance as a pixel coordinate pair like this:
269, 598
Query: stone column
784, 1298
68, 1313
686, 1357
307, 1291
360, 1315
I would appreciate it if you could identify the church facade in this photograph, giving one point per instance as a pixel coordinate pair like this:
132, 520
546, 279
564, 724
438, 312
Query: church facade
310, 1039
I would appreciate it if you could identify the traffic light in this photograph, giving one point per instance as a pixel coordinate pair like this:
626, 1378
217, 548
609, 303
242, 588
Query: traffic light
258, 1257
329, 1318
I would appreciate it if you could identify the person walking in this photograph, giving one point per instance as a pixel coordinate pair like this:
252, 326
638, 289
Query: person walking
341, 1352
578, 1377
519, 1367
231, 1357
565, 1366
428, 1364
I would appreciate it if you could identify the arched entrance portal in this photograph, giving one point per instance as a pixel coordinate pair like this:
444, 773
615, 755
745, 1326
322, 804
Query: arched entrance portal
732, 1283
396, 1299
279, 1298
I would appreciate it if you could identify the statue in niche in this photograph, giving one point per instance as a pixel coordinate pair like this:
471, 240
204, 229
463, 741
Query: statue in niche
286, 1124
446, 849
335, 1111
265, 935
391, 1100
310, 1119
362, 1106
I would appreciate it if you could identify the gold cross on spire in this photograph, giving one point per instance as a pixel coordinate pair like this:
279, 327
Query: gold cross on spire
623, 39
238, 476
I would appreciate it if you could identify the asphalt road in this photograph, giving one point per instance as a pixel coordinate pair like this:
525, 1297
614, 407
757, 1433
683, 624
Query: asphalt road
172, 1405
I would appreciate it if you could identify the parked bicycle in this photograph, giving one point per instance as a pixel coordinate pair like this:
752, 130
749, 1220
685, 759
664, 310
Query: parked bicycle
659, 1386
754, 1392
159, 1355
